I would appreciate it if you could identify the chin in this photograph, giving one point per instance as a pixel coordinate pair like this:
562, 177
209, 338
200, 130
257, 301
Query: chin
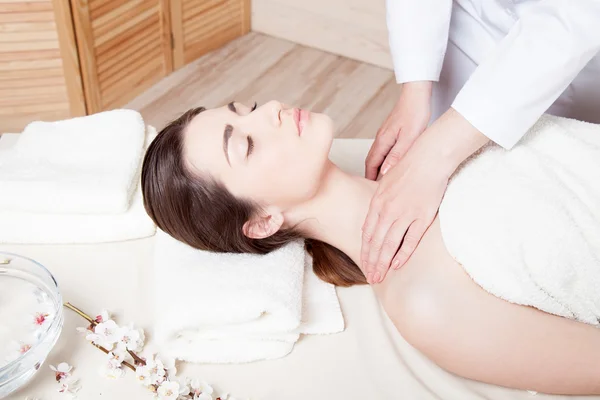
321, 141
322, 129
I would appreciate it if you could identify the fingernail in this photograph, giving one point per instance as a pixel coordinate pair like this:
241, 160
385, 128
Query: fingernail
370, 277
396, 264
376, 277
385, 169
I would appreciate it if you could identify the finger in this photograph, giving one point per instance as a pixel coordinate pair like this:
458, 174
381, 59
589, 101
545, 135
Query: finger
367, 233
379, 235
402, 145
391, 243
411, 241
379, 150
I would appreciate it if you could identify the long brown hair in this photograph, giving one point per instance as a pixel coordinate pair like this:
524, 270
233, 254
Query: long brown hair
201, 212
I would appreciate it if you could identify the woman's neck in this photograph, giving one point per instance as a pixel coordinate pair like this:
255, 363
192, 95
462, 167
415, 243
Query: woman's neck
338, 211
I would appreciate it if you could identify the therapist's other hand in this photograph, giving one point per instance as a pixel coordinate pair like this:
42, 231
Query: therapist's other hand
409, 195
407, 120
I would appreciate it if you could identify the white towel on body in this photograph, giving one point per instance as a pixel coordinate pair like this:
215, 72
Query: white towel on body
525, 223
48, 228
235, 308
83, 165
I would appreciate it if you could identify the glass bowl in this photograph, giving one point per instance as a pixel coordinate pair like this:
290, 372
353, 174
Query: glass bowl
31, 319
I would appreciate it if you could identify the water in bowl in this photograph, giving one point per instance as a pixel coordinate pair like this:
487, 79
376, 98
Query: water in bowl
30, 321
26, 311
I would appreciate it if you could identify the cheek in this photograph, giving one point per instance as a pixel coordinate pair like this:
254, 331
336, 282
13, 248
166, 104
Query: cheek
288, 176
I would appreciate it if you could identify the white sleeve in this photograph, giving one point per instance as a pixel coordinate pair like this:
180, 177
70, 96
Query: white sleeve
530, 68
418, 35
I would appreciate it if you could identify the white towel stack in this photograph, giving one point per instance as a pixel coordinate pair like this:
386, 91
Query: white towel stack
525, 223
75, 181
235, 308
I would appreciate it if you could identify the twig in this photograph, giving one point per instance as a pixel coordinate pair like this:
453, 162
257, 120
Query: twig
136, 358
93, 323
81, 313
131, 367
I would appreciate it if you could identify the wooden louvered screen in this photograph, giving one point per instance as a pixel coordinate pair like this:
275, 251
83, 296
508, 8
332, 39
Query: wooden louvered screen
39, 72
124, 48
200, 26
65, 58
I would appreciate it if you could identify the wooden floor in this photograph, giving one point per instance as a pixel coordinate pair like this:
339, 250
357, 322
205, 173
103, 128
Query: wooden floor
260, 68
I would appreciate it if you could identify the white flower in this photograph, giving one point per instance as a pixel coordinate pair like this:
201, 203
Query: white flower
143, 375
226, 396
41, 317
168, 390
131, 339
19, 347
104, 316
168, 364
156, 370
200, 390
81, 329
70, 386
184, 390
112, 372
116, 357
105, 334
62, 371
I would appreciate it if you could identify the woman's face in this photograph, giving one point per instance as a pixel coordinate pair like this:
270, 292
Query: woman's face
274, 155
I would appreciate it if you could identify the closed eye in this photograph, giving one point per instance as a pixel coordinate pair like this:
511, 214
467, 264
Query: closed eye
250, 146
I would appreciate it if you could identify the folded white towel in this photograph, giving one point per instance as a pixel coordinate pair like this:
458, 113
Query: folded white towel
525, 223
234, 308
79, 165
134, 223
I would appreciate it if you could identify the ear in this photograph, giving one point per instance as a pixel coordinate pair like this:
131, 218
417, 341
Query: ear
263, 225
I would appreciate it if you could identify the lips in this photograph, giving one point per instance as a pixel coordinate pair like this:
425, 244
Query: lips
301, 118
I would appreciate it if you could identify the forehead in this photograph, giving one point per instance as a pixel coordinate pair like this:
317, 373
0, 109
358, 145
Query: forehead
203, 139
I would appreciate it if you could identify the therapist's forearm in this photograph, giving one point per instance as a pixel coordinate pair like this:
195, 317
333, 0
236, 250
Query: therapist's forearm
418, 35
451, 139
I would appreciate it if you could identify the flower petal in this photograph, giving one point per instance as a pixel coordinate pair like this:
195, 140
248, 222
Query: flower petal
64, 367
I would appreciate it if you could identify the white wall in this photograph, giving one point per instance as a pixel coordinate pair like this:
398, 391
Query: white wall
352, 28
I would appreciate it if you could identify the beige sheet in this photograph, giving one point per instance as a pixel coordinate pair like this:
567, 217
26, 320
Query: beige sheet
369, 360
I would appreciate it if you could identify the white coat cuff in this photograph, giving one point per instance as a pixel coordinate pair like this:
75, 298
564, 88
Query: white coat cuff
413, 69
491, 120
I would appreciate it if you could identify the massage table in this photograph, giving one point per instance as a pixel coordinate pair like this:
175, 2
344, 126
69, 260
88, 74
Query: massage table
369, 360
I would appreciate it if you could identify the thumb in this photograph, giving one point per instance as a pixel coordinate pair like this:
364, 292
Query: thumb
393, 157
399, 150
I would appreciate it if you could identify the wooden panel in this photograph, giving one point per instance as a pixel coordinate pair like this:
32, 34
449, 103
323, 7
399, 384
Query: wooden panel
123, 48
32, 70
70, 57
202, 26
352, 28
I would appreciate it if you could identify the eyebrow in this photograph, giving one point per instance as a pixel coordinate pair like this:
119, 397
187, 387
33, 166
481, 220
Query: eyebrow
226, 136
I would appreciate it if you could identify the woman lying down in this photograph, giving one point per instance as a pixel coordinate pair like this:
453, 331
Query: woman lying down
241, 179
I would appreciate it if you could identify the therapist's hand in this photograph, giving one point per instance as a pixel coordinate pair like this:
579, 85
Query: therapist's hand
407, 120
409, 195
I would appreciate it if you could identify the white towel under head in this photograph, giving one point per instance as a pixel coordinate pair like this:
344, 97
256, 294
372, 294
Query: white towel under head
525, 223
79, 165
234, 308
49, 228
